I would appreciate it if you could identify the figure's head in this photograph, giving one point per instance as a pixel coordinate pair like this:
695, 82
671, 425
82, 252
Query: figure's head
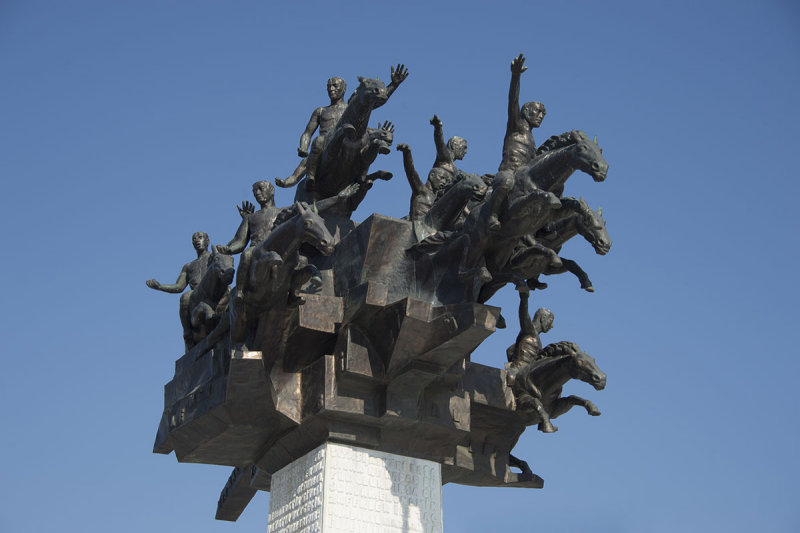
533, 113
336, 88
200, 241
264, 192
438, 178
543, 320
457, 146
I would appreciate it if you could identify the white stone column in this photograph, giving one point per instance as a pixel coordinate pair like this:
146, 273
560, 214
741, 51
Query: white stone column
338, 488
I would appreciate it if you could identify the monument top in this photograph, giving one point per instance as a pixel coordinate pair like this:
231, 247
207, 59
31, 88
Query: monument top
362, 333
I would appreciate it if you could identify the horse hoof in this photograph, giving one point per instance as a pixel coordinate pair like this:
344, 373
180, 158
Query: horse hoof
535, 284
592, 409
316, 281
588, 289
547, 427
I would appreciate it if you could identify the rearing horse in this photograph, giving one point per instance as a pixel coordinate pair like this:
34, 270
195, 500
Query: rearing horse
278, 269
537, 386
528, 261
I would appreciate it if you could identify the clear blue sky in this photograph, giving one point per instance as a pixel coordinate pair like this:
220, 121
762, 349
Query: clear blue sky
126, 126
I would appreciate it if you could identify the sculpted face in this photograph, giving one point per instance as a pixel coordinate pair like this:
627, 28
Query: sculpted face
200, 241
533, 113
336, 88
264, 192
437, 178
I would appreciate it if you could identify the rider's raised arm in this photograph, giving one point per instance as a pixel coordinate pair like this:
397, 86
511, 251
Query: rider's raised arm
311, 127
176, 287
525, 321
514, 119
443, 154
408, 166
398, 75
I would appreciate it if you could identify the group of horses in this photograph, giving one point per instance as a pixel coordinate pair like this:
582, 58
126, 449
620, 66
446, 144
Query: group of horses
535, 220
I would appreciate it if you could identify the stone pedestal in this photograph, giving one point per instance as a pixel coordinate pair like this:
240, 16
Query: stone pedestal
338, 488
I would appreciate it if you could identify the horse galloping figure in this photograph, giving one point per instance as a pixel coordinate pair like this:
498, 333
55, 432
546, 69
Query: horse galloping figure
538, 384
209, 301
279, 267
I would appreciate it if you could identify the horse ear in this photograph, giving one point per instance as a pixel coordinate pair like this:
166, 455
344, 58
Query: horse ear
299, 207
600, 210
314, 207
595, 139
361, 79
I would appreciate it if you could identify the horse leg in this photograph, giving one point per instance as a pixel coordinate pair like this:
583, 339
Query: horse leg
502, 184
522, 465
466, 272
301, 276
262, 268
545, 426
527, 401
577, 271
562, 405
186, 321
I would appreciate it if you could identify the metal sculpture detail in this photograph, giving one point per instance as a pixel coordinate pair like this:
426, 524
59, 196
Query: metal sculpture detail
362, 333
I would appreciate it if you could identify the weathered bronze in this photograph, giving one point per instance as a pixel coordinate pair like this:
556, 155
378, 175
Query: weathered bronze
362, 333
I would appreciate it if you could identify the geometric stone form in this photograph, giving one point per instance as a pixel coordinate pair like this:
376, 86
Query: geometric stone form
338, 488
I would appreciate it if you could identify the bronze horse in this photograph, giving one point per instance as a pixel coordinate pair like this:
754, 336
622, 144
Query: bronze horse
528, 262
279, 268
209, 300
348, 137
537, 385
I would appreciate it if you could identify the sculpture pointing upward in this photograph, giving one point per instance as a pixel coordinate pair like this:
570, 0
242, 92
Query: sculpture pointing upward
519, 147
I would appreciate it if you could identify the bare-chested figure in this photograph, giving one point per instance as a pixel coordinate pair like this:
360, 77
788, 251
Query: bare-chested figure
443, 173
256, 227
528, 346
191, 274
324, 118
447, 154
422, 194
519, 147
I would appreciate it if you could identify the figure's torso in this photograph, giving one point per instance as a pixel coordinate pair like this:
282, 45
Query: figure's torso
329, 116
261, 223
421, 202
518, 150
195, 270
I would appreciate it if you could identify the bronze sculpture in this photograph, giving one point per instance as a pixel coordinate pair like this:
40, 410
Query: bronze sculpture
190, 275
362, 333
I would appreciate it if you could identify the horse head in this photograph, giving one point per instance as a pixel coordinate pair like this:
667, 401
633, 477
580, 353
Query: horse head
221, 265
314, 231
474, 184
380, 139
584, 368
588, 156
371, 93
593, 228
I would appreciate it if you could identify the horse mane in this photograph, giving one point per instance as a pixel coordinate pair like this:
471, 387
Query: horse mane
559, 141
